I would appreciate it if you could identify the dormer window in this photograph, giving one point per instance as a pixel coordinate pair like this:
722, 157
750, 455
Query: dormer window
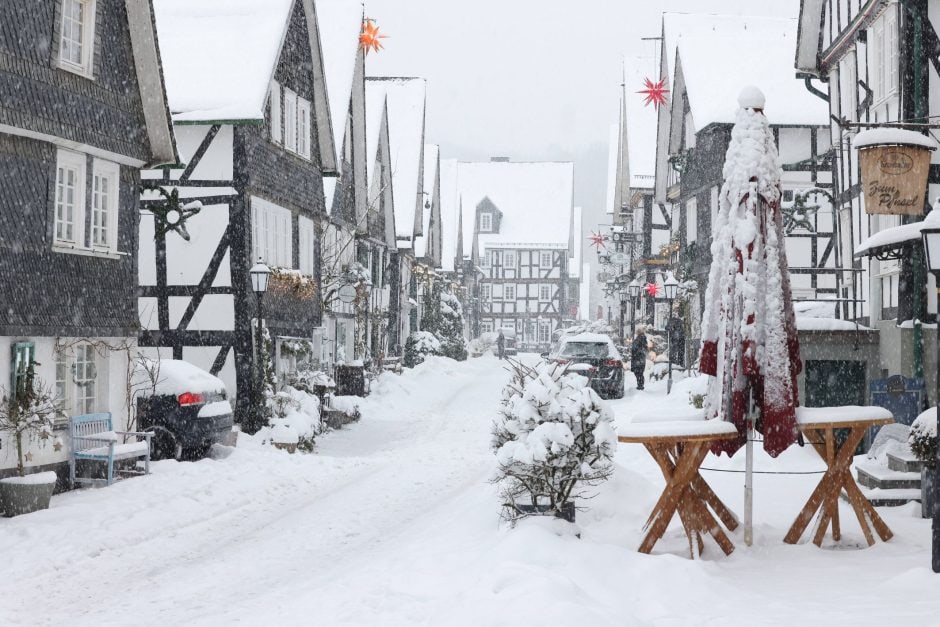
486, 222
77, 36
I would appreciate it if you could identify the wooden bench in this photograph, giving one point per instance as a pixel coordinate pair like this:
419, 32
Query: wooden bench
95, 440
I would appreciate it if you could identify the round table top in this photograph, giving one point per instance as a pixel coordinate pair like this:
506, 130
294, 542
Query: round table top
673, 431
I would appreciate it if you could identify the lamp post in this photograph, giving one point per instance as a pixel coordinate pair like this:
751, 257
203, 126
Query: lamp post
931, 238
260, 273
670, 287
635, 288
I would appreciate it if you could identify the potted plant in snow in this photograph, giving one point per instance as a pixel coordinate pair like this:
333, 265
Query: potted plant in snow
553, 438
923, 443
27, 415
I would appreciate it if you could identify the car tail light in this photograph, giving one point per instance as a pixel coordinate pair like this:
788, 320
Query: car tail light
614, 363
188, 398
562, 361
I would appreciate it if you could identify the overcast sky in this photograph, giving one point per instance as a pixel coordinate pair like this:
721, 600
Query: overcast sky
529, 79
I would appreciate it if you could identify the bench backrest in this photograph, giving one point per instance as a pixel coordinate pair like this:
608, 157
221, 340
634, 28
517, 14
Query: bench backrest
89, 424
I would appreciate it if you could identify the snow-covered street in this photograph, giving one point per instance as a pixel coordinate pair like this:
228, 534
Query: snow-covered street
393, 522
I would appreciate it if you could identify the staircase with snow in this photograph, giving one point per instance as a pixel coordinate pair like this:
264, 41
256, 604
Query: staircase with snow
893, 484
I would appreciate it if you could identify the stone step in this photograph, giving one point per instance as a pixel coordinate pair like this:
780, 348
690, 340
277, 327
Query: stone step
877, 476
904, 461
895, 497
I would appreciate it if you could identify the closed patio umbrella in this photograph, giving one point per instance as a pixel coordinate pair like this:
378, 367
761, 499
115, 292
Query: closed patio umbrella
750, 344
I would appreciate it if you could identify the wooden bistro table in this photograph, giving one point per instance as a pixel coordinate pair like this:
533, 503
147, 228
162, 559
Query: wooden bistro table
679, 448
819, 425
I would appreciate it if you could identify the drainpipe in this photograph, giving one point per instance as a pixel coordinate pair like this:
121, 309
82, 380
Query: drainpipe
917, 10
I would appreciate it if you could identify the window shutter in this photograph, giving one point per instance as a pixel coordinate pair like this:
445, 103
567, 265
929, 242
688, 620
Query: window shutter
275, 118
303, 128
21, 364
290, 120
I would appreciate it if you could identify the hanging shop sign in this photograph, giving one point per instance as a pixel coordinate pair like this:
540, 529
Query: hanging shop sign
604, 277
895, 164
347, 293
619, 259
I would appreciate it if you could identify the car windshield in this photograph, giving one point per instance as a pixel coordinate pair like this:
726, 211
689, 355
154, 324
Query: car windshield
584, 349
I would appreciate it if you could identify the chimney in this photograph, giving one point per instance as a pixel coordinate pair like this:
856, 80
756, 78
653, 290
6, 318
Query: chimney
499, 159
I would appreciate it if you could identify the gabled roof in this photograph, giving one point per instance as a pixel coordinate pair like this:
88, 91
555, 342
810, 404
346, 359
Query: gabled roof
340, 23
150, 81
431, 164
535, 198
749, 51
450, 214
637, 124
405, 99
219, 57
376, 103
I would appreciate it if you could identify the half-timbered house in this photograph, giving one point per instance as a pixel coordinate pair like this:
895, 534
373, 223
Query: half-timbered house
348, 302
519, 217
405, 103
82, 110
877, 63
699, 118
246, 90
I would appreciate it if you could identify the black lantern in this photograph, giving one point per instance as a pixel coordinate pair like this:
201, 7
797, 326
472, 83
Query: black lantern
260, 273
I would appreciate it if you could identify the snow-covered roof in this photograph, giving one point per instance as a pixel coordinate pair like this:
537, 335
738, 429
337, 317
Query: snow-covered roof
375, 110
641, 123
804, 323
340, 23
808, 41
613, 152
535, 198
406, 101
449, 214
893, 237
749, 51
219, 55
431, 162
896, 136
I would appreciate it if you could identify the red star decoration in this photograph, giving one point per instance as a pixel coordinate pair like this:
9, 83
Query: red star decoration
370, 36
652, 289
598, 239
655, 92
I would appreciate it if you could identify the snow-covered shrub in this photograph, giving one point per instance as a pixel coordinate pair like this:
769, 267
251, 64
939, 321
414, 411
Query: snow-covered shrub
923, 438
450, 330
482, 345
553, 438
296, 419
419, 345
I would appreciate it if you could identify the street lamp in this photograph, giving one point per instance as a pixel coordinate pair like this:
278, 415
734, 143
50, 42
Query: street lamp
670, 288
931, 237
622, 291
635, 289
260, 273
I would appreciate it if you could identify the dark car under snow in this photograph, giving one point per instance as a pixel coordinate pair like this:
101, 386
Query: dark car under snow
595, 357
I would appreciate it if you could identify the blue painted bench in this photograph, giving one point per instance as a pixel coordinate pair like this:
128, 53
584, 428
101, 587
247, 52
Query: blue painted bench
94, 439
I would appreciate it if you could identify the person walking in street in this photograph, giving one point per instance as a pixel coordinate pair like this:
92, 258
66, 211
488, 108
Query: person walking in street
501, 344
638, 356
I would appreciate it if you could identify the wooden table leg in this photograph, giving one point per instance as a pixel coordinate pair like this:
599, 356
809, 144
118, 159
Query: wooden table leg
686, 466
834, 499
706, 493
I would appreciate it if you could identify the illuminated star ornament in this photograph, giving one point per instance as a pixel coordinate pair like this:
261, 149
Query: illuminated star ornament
655, 92
652, 289
598, 239
369, 38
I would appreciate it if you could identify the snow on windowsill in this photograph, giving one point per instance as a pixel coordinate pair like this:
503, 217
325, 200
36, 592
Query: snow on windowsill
827, 324
71, 249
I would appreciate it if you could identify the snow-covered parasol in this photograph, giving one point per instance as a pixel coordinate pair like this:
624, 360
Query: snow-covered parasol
750, 342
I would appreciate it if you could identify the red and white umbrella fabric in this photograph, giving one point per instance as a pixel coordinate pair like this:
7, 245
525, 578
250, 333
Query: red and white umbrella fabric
750, 344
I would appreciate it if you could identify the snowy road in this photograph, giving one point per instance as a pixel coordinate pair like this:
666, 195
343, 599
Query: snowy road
393, 522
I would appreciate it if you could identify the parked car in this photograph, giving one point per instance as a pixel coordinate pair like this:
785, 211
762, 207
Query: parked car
186, 408
510, 335
594, 356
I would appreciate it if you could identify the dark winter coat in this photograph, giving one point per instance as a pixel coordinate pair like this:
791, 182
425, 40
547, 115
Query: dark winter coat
638, 352
501, 341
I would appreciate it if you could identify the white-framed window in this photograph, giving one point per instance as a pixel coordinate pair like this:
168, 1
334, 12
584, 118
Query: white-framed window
290, 120
305, 242
691, 221
486, 258
545, 293
70, 198
275, 120
497, 259
77, 36
487, 291
546, 259
509, 292
545, 331
509, 260
303, 128
486, 222
76, 379
486, 326
883, 54
105, 186
271, 230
